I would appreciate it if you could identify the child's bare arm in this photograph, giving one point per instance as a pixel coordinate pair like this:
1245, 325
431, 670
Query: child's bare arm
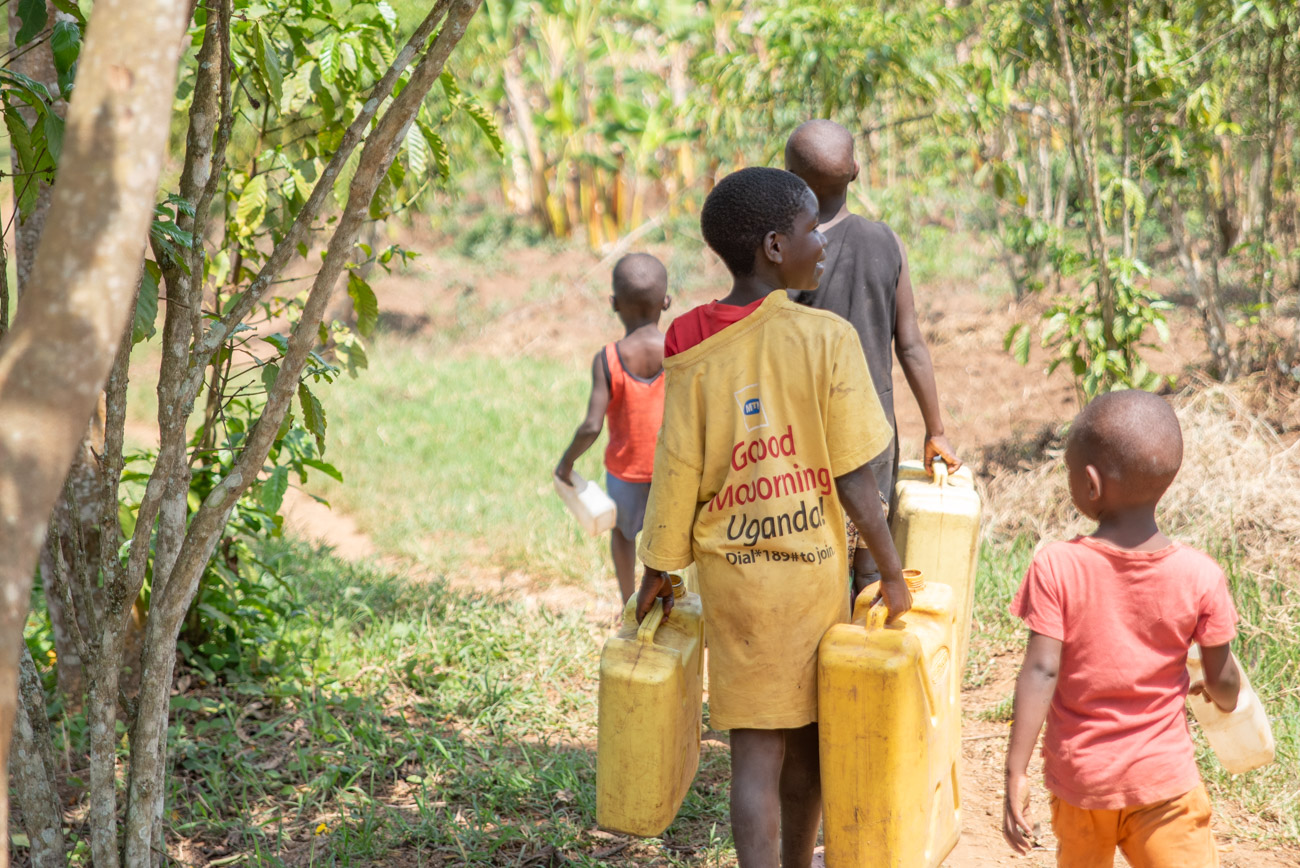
914, 358
861, 498
1034, 689
589, 430
1222, 678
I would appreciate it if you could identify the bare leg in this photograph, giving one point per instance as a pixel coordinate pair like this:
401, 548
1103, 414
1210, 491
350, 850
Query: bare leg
623, 551
756, 759
801, 797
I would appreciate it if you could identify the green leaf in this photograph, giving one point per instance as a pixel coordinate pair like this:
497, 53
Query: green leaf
441, 159
279, 341
313, 415
29, 90
364, 303
284, 427
50, 127
353, 355
146, 305
470, 106
269, 372
1017, 342
387, 12
417, 151
65, 43
20, 140
33, 16
273, 490
1265, 10
268, 63
251, 209
324, 467
327, 59
70, 7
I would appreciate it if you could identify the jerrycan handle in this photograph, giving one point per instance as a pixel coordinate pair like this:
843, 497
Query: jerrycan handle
877, 615
940, 468
645, 634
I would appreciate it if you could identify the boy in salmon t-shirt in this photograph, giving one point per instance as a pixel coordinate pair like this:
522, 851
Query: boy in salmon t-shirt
627, 385
770, 419
1111, 617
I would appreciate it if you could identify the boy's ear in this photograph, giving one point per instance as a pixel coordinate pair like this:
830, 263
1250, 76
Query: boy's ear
1094, 482
772, 242
668, 299
856, 170
613, 303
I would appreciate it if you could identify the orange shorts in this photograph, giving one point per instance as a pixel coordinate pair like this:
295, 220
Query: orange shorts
1171, 834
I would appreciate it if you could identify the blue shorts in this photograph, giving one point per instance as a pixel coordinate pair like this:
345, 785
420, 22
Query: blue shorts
630, 498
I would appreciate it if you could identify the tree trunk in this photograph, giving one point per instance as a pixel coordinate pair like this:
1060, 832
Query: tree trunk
522, 114
34, 771
36, 61
1273, 116
1087, 171
78, 297
1214, 322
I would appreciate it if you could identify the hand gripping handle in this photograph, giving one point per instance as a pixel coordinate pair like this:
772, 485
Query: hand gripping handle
877, 615
645, 634
940, 468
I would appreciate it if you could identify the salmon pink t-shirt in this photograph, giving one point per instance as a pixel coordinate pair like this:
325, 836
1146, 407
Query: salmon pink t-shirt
1117, 732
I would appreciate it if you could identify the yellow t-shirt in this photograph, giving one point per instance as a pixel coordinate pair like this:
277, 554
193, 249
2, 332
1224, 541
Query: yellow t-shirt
759, 419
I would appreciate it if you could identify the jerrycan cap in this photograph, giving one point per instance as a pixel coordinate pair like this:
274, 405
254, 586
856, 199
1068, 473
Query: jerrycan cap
679, 587
915, 580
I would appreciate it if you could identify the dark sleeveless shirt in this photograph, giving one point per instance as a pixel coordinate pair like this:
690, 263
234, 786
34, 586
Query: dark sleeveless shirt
860, 283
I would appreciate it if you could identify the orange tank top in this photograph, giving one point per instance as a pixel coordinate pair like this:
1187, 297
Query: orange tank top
635, 411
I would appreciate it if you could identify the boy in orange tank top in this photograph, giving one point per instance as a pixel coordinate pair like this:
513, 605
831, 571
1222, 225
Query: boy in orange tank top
627, 385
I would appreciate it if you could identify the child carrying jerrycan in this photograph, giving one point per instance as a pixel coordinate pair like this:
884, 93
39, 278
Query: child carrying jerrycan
770, 420
1111, 618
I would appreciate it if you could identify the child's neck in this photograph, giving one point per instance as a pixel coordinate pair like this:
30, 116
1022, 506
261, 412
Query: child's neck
643, 323
832, 209
751, 288
1133, 528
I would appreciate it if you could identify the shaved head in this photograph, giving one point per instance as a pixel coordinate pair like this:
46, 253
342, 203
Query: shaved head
640, 283
821, 152
1132, 438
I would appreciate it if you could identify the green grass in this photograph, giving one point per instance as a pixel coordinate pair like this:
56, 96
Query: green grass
1266, 646
456, 729
448, 461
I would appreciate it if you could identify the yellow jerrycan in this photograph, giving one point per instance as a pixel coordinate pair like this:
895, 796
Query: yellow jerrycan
648, 730
936, 525
889, 722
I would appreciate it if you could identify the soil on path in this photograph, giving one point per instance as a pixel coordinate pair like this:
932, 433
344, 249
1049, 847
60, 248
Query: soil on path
999, 414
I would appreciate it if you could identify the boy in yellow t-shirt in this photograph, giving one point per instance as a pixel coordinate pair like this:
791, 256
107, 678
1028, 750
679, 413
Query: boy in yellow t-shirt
769, 421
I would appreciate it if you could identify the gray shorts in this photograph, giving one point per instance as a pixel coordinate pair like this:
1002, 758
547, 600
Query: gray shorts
630, 498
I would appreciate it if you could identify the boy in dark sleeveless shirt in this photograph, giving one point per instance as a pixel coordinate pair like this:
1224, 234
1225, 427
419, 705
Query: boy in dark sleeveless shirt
627, 385
867, 282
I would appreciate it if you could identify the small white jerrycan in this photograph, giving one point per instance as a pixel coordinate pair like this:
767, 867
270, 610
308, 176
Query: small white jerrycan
593, 508
1241, 738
